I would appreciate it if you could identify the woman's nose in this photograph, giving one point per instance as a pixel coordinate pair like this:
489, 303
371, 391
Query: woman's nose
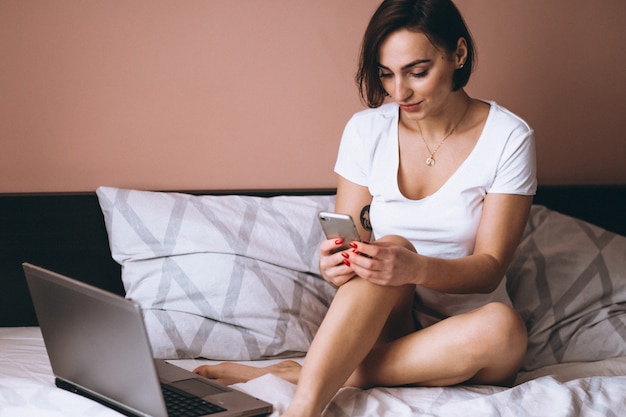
402, 92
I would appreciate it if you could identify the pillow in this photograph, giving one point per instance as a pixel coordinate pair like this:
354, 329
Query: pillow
568, 281
221, 277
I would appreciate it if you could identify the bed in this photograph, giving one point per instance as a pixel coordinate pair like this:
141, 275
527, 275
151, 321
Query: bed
240, 267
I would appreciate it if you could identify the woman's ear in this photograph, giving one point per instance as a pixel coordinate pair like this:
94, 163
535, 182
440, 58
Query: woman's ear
460, 55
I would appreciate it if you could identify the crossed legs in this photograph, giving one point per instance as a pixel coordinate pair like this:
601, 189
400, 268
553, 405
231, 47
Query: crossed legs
368, 339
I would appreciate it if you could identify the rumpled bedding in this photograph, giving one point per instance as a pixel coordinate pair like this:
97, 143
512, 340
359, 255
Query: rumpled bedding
592, 389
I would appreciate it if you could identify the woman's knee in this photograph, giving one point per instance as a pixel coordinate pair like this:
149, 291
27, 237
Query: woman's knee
391, 295
500, 343
504, 331
398, 240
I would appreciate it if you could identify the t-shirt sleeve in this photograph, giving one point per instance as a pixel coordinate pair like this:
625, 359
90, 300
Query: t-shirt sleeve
517, 169
352, 159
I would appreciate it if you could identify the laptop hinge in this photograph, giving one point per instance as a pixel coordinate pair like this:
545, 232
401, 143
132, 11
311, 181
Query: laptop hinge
68, 386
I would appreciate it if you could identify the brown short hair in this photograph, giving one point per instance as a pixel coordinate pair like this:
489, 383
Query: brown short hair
439, 20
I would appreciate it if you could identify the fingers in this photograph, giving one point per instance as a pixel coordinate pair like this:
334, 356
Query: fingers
380, 262
331, 246
340, 277
374, 262
338, 272
334, 265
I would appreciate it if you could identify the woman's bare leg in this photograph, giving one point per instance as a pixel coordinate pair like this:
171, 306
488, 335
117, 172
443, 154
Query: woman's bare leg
485, 346
368, 339
360, 315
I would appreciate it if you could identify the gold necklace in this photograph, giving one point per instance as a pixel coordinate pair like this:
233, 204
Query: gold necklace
430, 161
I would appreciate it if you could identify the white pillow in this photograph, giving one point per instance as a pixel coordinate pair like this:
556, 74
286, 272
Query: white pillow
568, 281
222, 277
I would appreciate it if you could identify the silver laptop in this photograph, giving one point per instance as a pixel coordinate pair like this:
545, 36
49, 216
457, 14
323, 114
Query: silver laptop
98, 347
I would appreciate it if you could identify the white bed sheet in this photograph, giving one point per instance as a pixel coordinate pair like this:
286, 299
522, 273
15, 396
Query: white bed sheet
595, 389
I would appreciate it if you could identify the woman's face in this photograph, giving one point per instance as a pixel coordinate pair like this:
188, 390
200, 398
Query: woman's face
416, 74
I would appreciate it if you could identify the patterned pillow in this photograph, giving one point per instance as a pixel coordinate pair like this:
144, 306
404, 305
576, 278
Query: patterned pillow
222, 277
568, 281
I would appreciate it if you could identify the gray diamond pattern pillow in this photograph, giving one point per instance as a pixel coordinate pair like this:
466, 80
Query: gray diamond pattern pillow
568, 281
222, 277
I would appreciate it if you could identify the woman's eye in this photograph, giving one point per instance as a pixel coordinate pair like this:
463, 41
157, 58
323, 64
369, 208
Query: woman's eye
384, 75
419, 74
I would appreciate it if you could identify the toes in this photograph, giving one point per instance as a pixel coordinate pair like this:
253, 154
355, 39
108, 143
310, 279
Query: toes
205, 371
228, 373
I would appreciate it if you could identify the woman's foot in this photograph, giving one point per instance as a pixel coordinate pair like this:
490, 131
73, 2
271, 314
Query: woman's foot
229, 373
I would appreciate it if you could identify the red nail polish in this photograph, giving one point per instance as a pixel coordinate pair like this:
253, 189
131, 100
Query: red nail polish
346, 262
345, 255
338, 241
353, 245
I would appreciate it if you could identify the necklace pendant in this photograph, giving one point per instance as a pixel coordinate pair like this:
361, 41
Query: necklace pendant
430, 161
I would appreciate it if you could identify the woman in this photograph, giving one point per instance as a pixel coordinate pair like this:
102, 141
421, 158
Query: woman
446, 183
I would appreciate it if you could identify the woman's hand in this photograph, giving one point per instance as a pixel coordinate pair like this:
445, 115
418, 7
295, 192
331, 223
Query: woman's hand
389, 261
333, 263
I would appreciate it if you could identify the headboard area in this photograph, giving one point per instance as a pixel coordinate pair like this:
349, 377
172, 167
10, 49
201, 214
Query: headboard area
66, 233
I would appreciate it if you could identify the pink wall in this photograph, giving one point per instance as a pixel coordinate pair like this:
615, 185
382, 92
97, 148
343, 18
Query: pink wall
561, 65
220, 94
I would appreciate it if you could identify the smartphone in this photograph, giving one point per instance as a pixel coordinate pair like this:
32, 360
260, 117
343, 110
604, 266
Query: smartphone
336, 226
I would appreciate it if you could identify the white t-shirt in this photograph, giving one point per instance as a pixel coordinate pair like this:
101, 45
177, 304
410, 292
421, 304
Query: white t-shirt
444, 224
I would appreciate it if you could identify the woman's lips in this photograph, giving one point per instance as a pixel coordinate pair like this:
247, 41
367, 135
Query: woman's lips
410, 107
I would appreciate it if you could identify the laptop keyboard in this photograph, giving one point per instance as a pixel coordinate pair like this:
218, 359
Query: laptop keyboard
181, 404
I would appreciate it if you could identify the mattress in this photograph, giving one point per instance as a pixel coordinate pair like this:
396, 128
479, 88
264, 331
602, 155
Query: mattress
590, 389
